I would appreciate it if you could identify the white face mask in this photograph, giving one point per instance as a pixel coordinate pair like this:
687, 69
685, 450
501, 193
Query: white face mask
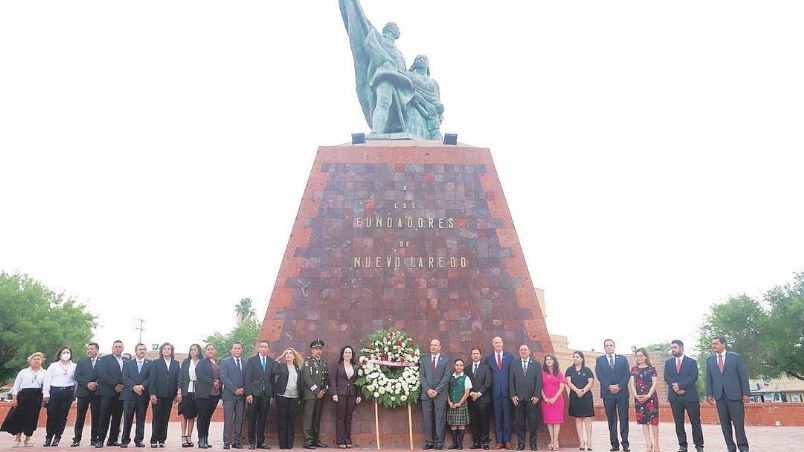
65, 356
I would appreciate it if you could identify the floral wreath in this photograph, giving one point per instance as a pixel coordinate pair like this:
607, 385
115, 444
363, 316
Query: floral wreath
389, 369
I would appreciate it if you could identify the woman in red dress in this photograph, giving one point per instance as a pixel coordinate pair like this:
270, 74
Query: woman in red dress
552, 398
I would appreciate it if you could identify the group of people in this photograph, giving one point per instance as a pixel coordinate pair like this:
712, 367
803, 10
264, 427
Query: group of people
519, 393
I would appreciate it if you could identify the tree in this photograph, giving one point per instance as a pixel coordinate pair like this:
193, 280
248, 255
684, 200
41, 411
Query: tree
768, 334
34, 318
244, 310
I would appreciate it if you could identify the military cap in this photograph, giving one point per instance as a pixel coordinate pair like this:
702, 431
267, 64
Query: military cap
317, 343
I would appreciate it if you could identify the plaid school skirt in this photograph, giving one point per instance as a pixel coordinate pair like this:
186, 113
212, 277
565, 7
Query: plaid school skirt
458, 416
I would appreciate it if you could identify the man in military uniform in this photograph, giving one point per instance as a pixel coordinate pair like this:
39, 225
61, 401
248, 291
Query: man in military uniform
315, 377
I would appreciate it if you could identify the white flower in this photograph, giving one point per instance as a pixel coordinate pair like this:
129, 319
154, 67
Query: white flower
396, 391
382, 389
376, 394
360, 371
403, 398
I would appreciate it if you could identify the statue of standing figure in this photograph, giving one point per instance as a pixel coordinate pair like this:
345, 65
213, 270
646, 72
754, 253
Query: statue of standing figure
393, 99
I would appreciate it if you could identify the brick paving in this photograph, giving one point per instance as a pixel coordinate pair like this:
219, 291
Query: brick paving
762, 439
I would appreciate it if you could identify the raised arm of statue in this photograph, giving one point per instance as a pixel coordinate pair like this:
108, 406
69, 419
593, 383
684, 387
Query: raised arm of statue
354, 19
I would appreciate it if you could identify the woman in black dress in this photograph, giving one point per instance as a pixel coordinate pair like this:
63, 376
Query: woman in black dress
579, 383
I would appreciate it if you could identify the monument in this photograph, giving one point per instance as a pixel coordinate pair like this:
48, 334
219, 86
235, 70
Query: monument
402, 232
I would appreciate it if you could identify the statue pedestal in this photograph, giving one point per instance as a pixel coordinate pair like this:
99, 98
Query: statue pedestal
414, 235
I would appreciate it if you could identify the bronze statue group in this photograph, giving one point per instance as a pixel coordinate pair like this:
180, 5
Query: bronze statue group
518, 393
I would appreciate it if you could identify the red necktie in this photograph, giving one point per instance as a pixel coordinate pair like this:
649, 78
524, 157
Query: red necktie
434, 364
720, 362
499, 362
678, 366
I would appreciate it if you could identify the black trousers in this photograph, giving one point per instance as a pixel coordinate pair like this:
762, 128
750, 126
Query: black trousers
160, 413
206, 408
527, 413
286, 420
138, 407
479, 421
615, 407
693, 410
732, 412
57, 410
91, 402
111, 412
256, 419
343, 419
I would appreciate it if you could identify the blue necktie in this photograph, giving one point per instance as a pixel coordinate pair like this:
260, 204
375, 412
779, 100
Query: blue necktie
263, 363
139, 367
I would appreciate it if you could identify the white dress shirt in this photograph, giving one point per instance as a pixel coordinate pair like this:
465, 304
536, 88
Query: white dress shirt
59, 376
27, 378
193, 378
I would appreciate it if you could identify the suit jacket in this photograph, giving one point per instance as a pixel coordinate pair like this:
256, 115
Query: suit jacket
481, 381
259, 382
132, 377
164, 380
438, 380
686, 379
618, 376
232, 378
733, 382
315, 375
499, 377
340, 384
281, 379
204, 378
84, 373
184, 375
109, 375
528, 384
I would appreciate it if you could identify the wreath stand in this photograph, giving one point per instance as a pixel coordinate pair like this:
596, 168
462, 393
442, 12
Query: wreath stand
377, 425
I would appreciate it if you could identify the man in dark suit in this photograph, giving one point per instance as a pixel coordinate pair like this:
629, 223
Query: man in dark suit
260, 373
435, 374
613, 373
499, 363
135, 395
233, 396
110, 385
86, 380
525, 389
479, 400
681, 374
727, 383
163, 384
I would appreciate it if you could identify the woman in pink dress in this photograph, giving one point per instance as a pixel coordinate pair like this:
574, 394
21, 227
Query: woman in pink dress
552, 398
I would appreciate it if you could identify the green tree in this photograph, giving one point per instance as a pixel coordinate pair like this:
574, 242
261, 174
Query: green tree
246, 331
34, 318
244, 310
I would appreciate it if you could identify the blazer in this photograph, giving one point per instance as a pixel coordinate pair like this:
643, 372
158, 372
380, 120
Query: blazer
732, 383
204, 378
184, 375
259, 382
481, 381
340, 384
85, 373
686, 379
437, 380
133, 377
281, 378
164, 380
618, 376
232, 378
499, 377
109, 375
525, 385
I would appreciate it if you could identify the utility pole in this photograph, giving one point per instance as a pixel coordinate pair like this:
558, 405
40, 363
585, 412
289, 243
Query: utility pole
140, 328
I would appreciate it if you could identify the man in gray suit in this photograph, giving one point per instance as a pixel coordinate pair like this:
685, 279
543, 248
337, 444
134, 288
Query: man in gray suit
525, 386
435, 374
727, 383
234, 382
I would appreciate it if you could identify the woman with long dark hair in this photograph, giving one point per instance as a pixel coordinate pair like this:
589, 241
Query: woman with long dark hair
187, 384
26, 400
579, 383
552, 398
58, 391
207, 393
345, 394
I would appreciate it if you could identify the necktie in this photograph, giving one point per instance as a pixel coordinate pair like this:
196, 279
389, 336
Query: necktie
93, 363
720, 362
434, 363
678, 365
524, 367
499, 362
238, 364
263, 363
139, 367
611, 362
474, 369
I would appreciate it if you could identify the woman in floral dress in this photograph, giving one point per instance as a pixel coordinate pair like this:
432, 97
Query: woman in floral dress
646, 402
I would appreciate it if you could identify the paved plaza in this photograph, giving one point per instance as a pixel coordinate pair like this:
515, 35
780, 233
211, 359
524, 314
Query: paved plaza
762, 439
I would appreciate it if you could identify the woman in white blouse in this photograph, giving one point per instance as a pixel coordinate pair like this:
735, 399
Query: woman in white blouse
26, 399
58, 392
187, 406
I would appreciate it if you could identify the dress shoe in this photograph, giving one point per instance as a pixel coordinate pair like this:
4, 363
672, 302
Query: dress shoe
613, 448
509, 446
428, 446
439, 447
520, 447
138, 444
263, 446
56, 441
124, 445
499, 446
626, 449
485, 446
532, 447
252, 446
237, 446
48, 440
475, 446
75, 444
113, 443
308, 446
320, 444
99, 445
226, 446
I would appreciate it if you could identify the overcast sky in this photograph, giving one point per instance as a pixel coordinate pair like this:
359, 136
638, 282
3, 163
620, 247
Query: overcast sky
153, 154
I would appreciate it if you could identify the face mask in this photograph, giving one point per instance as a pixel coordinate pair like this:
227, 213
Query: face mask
65, 356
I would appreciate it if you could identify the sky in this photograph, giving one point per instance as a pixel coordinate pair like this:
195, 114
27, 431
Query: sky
153, 154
